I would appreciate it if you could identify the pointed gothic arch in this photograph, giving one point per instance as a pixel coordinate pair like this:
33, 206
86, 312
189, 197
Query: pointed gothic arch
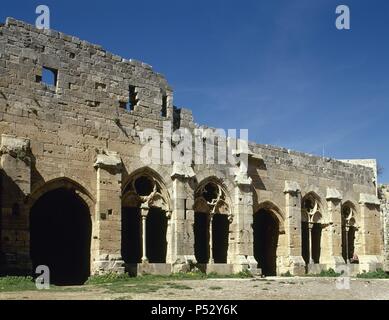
349, 232
213, 216
146, 211
60, 217
312, 217
268, 224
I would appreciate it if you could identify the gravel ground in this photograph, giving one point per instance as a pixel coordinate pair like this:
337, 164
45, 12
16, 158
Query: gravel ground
295, 288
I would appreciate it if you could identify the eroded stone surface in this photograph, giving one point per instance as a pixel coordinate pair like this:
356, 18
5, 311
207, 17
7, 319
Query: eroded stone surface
80, 137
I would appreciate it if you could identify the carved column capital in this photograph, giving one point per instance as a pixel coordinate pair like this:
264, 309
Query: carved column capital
292, 188
109, 161
144, 210
182, 171
18, 148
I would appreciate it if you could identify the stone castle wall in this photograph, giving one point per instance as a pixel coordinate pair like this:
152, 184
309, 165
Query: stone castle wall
384, 197
79, 134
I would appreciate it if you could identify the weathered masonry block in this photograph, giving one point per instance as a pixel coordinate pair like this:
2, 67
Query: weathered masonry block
384, 198
77, 195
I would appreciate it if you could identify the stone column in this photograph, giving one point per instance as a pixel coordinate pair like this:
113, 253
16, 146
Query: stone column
241, 254
182, 218
211, 260
369, 249
384, 198
15, 185
331, 253
310, 241
106, 252
293, 262
347, 229
144, 214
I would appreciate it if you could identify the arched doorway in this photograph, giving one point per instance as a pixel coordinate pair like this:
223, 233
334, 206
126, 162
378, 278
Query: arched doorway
311, 229
348, 233
156, 244
212, 220
131, 235
60, 236
201, 237
145, 216
266, 232
220, 230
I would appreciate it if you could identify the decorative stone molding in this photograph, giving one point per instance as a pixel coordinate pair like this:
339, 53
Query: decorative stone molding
242, 179
333, 194
108, 160
156, 197
182, 170
371, 199
18, 148
212, 198
312, 209
241, 176
292, 187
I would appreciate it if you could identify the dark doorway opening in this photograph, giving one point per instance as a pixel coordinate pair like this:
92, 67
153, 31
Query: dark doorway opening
316, 242
156, 228
60, 236
220, 230
315, 238
201, 237
266, 232
305, 238
131, 235
350, 247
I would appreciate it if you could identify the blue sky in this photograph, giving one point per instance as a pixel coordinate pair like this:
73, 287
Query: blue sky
279, 68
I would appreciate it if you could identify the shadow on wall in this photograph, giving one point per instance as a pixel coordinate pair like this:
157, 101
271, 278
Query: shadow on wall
60, 233
266, 233
11, 219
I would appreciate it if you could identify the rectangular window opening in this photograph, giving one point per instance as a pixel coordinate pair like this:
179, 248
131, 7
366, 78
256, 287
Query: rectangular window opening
132, 99
164, 107
49, 76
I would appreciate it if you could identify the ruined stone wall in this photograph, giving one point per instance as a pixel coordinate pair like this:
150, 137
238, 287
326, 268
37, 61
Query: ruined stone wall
384, 197
79, 131
70, 123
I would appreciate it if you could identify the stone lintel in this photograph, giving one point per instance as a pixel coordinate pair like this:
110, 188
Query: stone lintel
292, 187
365, 198
108, 160
16, 147
248, 153
334, 194
242, 179
182, 170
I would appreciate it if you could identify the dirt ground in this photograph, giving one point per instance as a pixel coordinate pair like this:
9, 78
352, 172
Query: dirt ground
229, 289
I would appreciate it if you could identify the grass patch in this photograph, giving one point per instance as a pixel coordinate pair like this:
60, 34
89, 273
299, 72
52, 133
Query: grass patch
286, 274
119, 282
379, 274
330, 273
11, 283
240, 275
107, 278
